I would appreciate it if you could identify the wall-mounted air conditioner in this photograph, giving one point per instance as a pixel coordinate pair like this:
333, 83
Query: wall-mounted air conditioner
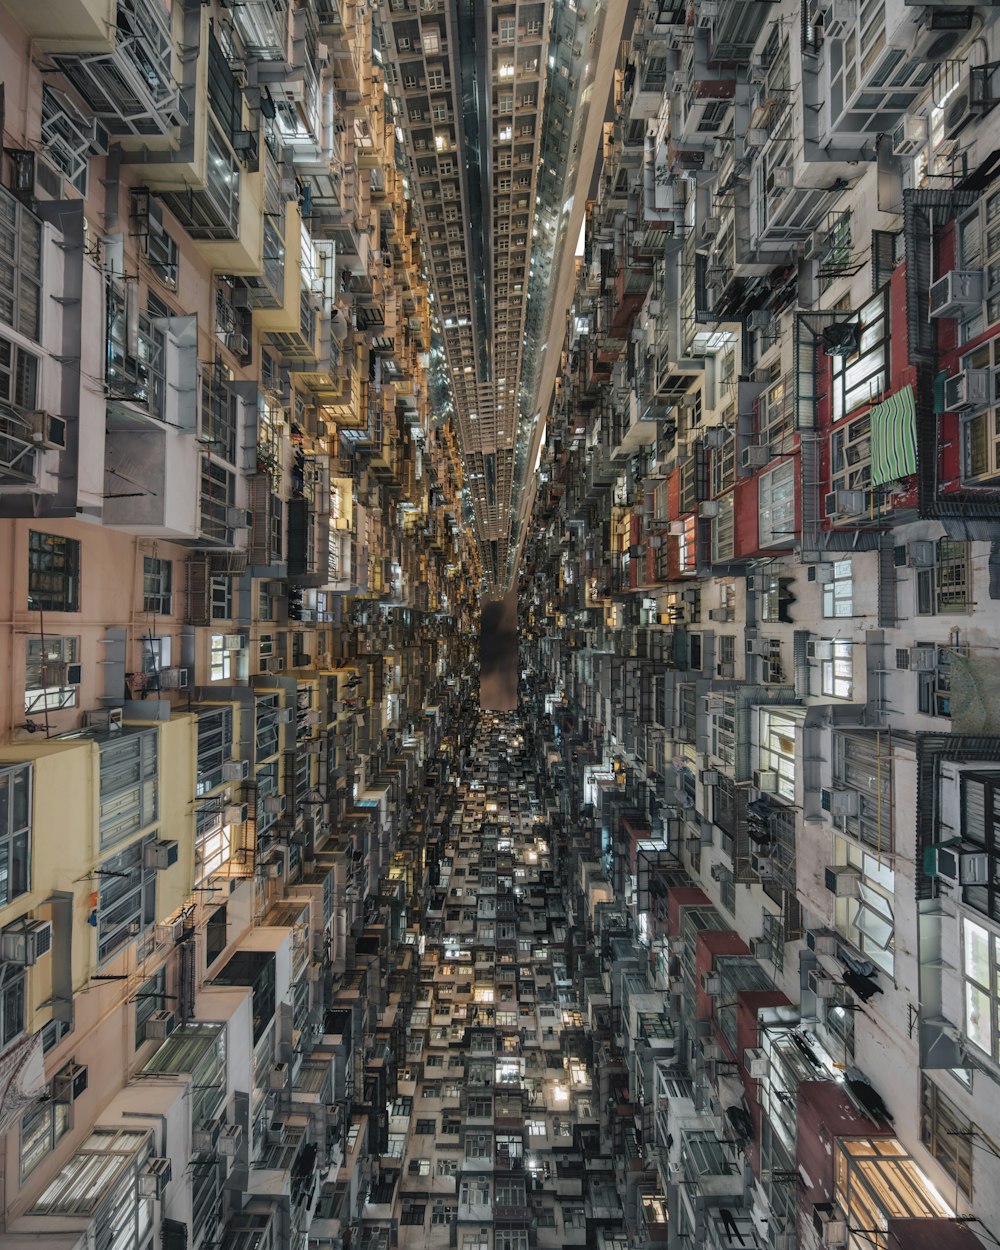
956, 294
236, 770
846, 504
846, 802
173, 678
160, 855
968, 391
755, 457
766, 780
959, 865
236, 813
842, 880
47, 431
25, 942
159, 1026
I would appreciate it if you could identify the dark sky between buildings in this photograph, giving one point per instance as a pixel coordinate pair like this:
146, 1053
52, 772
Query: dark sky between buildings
498, 654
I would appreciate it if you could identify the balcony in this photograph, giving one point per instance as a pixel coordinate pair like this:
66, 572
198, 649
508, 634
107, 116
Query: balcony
118, 54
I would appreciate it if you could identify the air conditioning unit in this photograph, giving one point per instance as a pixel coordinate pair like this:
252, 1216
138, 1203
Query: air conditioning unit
823, 573
909, 136
108, 719
718, 614
70, 1083
236, 770
205, 1137
25, 943
159, 1026
923, 659
716, 871
236, 813
711, 227
839, 18
708, 508
709, 777
956, 294
676, 528
274, 804
47, 431
824, 987
961, 867
819, 649
277, 1133
238, 518
846, 802
757, 1064
782, 177
171, 930
756, 136
762, 866
968, 391
726, 670
154, 1178
173, 678
846, 503
920, 554
711, 983
760, 948
755, 457
286, 715
311, 718
758, 646
233, 642
832, 1232
759, 319
230, 1140
822, 941
313, 747
277, 1077
842, 880
715, 437
765, 780
160, 854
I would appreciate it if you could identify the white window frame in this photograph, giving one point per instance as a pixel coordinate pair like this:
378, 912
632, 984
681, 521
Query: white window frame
837, 673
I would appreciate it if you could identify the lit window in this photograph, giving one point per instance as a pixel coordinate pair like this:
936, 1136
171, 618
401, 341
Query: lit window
220, 666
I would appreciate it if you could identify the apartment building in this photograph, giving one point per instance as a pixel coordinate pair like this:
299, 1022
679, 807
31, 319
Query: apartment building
760, 594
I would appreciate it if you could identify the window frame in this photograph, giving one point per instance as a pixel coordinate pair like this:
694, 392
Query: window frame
54, 563
157, 585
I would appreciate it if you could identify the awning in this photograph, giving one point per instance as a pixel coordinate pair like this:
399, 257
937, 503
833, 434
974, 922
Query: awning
894, 438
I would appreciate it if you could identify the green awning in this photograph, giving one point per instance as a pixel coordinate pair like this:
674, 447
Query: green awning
894, 438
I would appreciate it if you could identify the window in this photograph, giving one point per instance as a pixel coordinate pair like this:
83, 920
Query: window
478, 1146
727, 888
216, 934
425, 1128
220, 658
419, 1167
945, 587
505, 29
212, 843
157, 580
850, 455
777, 749
53, 573
947, 1134
474, 1192
776, 506
442, 1213
981, 986
862, 762
510, 1239
18, 376
868, 920
413, 1212
20, 267
435, 79
150, 998
838, 591
45, 684
860, 377
11, 1003
129, 787
219, 416
66, 136
126, 901
447, 1167
101, 1179
536, 1128
838, 670
41, 1127
221, 597
215, 747
15, 831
